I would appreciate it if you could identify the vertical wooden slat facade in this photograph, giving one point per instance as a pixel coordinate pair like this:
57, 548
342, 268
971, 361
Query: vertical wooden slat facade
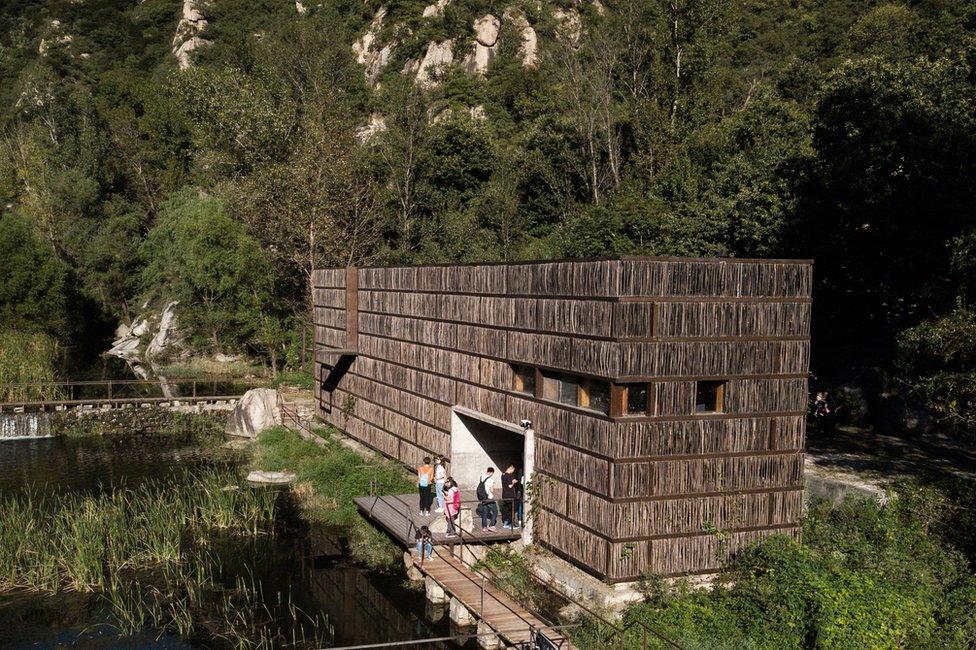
617, 495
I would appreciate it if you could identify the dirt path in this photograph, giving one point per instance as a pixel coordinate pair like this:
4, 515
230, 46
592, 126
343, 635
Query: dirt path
882, 456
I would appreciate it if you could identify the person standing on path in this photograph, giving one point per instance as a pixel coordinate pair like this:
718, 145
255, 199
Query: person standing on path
509, 480
440, 475
452, 506
425, 480
486, 499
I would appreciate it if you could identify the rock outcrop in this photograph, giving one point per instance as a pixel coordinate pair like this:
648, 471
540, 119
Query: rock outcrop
485, 44
166, 332
257, 410
436, 10
569, 25
130, 346
367, 50
529, 46
54, 38
438, 56
187, 38
376, 125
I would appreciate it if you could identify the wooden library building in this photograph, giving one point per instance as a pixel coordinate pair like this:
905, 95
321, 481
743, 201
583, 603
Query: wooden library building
657, 405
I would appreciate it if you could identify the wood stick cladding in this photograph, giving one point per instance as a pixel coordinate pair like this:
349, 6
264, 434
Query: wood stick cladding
666, 396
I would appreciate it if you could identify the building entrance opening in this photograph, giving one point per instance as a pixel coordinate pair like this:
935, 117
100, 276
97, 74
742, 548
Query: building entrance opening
477, 444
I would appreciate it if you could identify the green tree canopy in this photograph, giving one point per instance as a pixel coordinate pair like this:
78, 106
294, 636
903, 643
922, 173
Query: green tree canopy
198, 254
34, 283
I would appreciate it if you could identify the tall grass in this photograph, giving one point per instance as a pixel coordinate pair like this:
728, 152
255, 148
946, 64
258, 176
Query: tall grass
25, 361
149, 552
329, 477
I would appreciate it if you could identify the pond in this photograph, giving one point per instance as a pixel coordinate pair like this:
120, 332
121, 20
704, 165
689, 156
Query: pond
300, 580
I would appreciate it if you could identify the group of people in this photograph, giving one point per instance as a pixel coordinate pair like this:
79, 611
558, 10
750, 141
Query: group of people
434, 483
512, 499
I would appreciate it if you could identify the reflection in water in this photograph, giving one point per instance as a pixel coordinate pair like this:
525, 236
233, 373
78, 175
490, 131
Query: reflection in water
310, 568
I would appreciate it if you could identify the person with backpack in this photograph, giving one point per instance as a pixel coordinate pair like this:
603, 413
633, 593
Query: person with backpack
452, 505
425, 480
440, 475
425, 542
487, 506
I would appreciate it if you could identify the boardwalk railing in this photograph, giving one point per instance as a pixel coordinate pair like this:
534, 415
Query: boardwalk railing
51, 395
617, 634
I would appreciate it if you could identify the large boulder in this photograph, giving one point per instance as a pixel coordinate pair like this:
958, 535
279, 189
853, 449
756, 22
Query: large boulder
257, 410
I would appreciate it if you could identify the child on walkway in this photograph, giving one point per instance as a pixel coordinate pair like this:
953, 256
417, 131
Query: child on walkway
425, 542
452, 506
425, 480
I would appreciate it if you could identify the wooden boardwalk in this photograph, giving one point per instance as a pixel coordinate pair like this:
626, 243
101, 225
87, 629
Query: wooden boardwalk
509, 620
397, 514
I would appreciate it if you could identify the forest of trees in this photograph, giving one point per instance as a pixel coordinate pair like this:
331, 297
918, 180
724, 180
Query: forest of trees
837, 130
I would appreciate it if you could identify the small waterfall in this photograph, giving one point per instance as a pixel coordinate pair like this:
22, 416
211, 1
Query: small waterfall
15, 426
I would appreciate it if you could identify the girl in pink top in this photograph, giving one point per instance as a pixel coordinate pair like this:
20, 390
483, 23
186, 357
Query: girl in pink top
452, 505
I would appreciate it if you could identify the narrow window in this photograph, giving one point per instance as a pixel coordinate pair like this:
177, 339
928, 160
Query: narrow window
709, 396
595, 395
523, 379
568, 390
636, 399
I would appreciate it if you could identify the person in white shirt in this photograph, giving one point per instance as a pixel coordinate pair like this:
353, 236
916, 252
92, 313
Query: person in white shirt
486, 499
440, 475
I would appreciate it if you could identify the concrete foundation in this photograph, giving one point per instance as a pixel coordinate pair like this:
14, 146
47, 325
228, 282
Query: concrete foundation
489, 641
574, 583
461, 615
435, 593
834, 486
434, 613
413, 573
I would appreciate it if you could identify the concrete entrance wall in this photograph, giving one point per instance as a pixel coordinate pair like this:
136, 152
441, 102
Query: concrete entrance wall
476, 445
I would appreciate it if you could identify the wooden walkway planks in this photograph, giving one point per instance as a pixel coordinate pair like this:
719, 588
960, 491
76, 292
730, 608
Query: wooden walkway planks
397, 514
512, 622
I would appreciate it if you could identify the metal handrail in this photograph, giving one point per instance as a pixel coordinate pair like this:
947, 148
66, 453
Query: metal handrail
617, 630
174, 380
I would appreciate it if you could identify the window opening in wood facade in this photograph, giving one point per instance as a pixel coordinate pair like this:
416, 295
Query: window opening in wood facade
595, 395
636, 401
523, 379
568, 390
591, 394
709, 396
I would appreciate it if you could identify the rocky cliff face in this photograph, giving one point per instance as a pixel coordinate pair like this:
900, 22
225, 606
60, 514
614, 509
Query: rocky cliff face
152, 336
473, 51
187, 38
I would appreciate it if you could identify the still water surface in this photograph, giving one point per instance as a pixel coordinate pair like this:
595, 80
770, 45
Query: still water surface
312, 566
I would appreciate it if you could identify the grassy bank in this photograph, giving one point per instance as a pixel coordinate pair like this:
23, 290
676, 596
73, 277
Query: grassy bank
329, 477
865, 576
154, 556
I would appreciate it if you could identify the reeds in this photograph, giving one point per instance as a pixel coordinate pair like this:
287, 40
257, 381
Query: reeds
149, 551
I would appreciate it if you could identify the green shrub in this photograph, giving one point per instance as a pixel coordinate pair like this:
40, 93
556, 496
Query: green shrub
865, 576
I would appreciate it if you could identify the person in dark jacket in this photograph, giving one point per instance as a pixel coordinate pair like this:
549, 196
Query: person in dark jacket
509, 483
